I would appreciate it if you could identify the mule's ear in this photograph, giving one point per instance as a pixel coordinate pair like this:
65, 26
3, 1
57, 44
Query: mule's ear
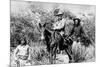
44, 25
40, 25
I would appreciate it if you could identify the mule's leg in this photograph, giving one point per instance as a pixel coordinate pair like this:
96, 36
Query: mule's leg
55, 51
51, 55
69, 55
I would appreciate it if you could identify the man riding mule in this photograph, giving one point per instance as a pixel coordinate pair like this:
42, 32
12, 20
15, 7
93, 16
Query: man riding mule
55, 38
59, 28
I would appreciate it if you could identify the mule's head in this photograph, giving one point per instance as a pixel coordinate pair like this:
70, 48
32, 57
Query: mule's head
45, 36
45, 32
42, 29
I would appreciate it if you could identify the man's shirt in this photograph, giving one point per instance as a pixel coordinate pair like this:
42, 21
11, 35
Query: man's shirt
77, 31
60, 24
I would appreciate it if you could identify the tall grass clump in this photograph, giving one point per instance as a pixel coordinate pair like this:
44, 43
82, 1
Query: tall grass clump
82, 53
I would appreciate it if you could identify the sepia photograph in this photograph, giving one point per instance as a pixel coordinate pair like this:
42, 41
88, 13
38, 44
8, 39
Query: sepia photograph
45, 33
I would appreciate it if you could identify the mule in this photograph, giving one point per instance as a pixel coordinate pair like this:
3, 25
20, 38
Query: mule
46, 37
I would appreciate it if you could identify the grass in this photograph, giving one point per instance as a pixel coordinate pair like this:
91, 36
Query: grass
82, 53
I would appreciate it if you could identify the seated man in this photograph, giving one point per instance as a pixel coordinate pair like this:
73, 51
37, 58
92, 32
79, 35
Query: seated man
21, 53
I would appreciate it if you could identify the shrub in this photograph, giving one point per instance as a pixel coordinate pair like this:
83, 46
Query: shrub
82, 53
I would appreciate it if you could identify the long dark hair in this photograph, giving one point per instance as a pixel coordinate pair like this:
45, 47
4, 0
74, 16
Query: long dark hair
77, 20
25, 41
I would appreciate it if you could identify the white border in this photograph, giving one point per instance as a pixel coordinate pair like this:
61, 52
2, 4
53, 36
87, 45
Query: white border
5, 32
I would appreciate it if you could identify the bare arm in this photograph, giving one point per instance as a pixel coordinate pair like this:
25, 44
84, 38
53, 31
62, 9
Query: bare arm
29, 55
16, 52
